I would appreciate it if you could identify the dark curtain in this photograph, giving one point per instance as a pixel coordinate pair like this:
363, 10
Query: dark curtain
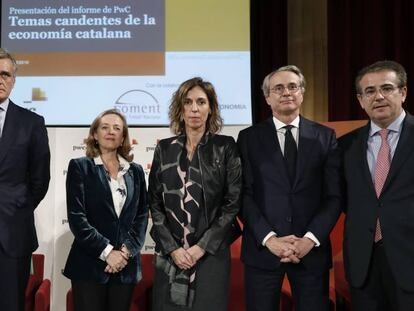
361, 32
268, 47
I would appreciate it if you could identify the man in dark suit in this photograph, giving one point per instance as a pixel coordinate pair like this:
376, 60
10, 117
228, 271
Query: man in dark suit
379, 179
291, 199
24, 180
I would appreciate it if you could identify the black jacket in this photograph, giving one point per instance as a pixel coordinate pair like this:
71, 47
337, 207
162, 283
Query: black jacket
24, 179
221, 181
94, 222
394, 208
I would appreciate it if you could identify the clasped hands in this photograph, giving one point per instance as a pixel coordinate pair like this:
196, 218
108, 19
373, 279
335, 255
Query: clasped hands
187, 258
289, 248
117, 260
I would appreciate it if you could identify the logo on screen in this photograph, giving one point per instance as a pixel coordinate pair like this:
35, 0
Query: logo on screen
138, 105
38, 94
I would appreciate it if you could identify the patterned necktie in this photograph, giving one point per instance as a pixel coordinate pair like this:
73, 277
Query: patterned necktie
290, 152
381, 171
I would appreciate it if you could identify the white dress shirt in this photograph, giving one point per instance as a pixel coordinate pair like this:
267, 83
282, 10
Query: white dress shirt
118, 191
281, 132
3, 110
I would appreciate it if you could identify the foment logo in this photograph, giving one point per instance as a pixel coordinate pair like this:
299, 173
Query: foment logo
138, 105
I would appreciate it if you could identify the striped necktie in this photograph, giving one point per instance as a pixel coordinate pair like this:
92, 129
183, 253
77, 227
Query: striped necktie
381, 172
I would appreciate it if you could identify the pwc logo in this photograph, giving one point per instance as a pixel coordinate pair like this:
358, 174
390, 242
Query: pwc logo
152, 148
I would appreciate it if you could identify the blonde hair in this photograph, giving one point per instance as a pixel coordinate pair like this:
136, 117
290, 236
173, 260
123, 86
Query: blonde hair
92, 147
214, 121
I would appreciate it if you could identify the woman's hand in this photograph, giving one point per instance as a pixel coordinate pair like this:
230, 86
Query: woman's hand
182, 258
116, 261
196, 252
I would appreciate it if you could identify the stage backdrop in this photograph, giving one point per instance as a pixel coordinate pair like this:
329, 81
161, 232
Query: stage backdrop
53, 231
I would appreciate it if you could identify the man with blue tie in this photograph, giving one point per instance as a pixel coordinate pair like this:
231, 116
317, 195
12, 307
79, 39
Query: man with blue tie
378, 161
24, 180
291, 200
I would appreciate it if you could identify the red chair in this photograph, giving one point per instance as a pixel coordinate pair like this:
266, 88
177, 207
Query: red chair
141, 299
69, 300
42, 297
341, 284
35, 280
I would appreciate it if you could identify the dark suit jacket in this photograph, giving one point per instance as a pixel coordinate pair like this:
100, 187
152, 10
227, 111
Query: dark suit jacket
24, 178
94, 222
395, 207
270, 203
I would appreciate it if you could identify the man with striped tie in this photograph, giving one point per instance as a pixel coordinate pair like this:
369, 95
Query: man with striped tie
378, 162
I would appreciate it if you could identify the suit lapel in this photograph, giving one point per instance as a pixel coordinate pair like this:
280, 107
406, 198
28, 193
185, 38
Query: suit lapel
358, 150
10, 127
103, 177
307, 137
404, 148
270, 144
129, 182
362, 145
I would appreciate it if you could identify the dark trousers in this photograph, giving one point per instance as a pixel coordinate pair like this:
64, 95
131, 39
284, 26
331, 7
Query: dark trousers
380, 291
14, 274
211, 287
101, 297
310, 289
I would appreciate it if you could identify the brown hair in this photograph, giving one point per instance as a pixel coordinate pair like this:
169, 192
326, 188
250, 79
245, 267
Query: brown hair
214, 121
4, 54
383, 65
92, 148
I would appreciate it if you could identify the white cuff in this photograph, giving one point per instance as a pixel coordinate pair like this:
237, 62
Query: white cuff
106, 252
268, 236
311, 236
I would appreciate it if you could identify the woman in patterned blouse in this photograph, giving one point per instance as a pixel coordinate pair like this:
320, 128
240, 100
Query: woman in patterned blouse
194, 189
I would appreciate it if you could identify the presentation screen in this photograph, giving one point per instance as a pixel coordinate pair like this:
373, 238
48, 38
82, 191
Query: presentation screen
77, 58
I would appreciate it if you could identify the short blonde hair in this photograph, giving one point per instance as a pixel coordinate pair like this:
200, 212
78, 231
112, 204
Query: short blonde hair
92, 147
214, 121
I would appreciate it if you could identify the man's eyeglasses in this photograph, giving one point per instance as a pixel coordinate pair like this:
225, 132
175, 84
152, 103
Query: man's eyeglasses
384, 90
5, 75
280, 89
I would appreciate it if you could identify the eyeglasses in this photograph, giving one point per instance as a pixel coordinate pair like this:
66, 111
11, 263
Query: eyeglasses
5, 75
280, 89
384, 90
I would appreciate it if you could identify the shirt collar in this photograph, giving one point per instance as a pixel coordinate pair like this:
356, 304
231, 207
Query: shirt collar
5, 104
279, 124
395, 126
123, 164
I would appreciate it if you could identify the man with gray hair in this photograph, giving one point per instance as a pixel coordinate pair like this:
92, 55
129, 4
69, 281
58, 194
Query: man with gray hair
290, 201
24, 180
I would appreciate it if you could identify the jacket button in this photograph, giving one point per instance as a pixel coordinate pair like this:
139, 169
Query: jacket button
289, 219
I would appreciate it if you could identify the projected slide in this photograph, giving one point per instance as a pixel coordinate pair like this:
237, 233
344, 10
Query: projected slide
78, 58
